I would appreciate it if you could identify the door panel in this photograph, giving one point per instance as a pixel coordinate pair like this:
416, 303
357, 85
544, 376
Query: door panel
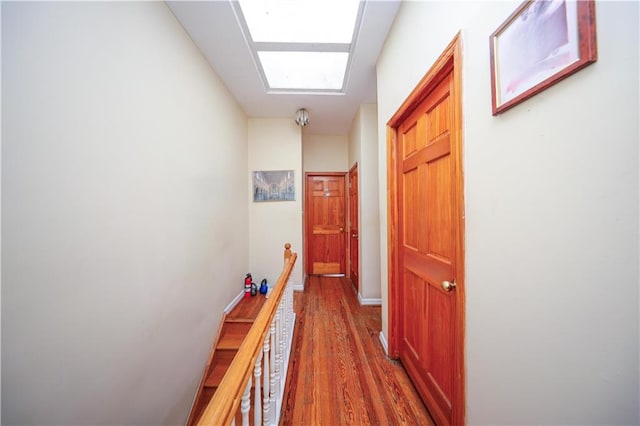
325, 220
353, 226
439, 218
426, 195
412, 314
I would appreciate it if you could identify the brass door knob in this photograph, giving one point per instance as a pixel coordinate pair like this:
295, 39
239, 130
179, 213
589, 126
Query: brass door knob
448, 285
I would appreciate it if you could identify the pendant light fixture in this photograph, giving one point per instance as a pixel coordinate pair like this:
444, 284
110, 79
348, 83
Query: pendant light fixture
302, 117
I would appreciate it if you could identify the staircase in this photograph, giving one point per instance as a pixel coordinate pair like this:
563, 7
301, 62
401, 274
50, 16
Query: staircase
235, 327
244, 379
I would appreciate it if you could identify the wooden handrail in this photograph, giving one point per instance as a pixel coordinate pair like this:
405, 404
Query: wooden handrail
225, 402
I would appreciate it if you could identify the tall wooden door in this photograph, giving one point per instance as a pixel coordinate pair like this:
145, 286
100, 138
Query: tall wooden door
325, 223
353, 225
430, 298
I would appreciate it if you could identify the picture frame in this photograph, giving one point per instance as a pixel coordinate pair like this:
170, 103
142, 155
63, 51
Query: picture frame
273, 185
541, 43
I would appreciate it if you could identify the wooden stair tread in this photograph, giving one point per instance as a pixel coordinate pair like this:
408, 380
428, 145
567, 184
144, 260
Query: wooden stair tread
242, 320
248, 308
230, 341
216, 374
221, 361
233, 334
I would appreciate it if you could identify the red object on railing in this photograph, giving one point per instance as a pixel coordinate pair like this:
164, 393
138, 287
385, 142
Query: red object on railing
247, 285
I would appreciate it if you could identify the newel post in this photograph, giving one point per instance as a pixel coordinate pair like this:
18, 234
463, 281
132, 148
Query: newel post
287, 252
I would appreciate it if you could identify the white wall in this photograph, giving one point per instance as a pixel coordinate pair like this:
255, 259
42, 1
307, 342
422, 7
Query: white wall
324, 153
123, 213
355, 144
363, 149
275, 144
551, 191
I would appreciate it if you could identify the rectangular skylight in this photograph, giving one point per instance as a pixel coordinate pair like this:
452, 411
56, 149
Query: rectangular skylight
289, 21
300, 44
304, 70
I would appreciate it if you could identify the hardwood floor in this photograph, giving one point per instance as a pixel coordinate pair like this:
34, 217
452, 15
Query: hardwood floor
338, 373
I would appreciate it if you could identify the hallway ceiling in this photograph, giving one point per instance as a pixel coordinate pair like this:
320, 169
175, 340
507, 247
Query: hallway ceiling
214, 28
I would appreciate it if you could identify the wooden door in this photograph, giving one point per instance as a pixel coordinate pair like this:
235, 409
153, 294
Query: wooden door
353, 225
325, 223
429, 296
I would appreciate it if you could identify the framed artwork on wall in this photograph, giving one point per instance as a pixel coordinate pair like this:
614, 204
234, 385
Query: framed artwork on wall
541, 43
276, 185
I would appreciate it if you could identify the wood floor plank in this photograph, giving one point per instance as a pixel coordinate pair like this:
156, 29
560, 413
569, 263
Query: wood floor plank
339, 374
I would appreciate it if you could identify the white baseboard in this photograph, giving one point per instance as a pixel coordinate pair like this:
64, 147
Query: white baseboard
385, 345
296, 287
369, 300
234, 302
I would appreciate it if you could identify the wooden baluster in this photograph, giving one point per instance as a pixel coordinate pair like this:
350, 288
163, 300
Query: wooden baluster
267, 372
272, 384
257, 398
245, 404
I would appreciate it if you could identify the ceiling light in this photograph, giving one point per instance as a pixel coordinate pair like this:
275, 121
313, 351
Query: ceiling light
302, 117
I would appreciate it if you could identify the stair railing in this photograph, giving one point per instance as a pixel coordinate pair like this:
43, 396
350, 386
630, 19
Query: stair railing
262, 360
